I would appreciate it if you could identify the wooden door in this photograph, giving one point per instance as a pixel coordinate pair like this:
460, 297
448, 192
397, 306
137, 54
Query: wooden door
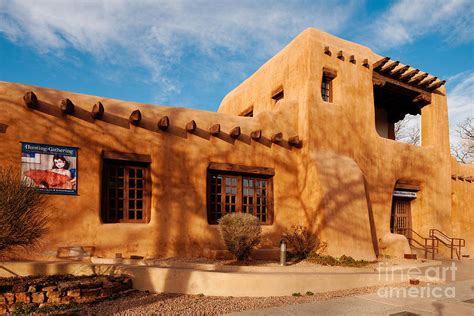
401, 216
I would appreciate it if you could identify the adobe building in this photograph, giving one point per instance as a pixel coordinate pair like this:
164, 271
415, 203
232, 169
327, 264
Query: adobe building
307, 139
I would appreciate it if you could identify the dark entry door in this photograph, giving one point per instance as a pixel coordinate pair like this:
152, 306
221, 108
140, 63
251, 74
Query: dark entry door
401, 216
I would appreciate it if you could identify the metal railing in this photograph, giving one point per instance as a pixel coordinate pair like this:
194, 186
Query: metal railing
455, 244
427, 244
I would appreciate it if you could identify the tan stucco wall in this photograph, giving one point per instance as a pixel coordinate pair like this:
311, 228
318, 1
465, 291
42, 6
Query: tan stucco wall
339, 184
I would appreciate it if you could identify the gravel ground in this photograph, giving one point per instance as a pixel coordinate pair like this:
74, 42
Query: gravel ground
142, 303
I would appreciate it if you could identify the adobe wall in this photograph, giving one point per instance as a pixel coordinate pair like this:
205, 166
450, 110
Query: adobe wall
462, 199
339, 183
346, 128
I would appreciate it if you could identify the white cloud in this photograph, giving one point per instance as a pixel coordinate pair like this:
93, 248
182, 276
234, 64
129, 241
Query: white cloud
157, 34
408, 20
460, 101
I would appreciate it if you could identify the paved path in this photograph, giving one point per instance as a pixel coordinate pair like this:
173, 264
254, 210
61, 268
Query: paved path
380, 304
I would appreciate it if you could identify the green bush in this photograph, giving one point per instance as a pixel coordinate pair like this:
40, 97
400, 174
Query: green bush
23, 217
301, 240
345, 261
240, 232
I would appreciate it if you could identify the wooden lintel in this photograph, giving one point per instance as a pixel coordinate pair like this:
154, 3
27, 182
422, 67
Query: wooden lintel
277, 137
256, 135
461, 177
191, 126
114, 155
409, 74
453, 176
377, 78
30, 99
97, 111
241, 169
235, 132
327, 51
66, 106
365, 63
352, 59
164, 123
418, 79
436, 85
423, 98
380, 63
400, 71
135, 117
340, 55
390, 67
215, 129
295, 141
427, 82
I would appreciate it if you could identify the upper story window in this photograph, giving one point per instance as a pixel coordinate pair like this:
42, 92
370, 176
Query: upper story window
239, 189
248, 112
278, 94
327, 84
126, 189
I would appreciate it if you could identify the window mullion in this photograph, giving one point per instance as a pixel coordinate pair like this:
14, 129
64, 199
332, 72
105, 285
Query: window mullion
125, 194
239, 196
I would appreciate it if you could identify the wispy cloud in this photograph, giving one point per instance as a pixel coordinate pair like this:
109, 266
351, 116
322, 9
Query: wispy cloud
156, 35
460, 100
408, 20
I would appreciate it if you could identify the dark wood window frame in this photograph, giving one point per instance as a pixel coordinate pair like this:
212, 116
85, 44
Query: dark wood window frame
126, 188
278, 94
327, 89
234, 188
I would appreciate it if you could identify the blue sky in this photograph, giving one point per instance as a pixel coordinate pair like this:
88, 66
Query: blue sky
191, 53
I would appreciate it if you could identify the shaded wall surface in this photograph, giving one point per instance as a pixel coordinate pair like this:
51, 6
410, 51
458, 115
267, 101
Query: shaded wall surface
340, 183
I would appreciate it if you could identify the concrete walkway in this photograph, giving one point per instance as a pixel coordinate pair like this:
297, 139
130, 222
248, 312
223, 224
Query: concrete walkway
454, 294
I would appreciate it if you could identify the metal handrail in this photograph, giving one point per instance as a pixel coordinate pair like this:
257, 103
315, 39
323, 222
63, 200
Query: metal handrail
451, 243
433, 248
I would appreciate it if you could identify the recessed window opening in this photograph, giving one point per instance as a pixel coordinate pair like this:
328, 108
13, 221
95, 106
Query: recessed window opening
247, 112
278, 95
239, 191
327, 84
398, 112
126, 189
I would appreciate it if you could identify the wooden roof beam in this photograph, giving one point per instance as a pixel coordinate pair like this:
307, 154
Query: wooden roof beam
97, 111
295, 141
427, 82
409, 74
365, 63
277, 137
235, 132
215, 129
390, 67
191, 126
30, 99
135, 117
418, 79
436, 85
377, 65
352, 59
164, 123
66, 106
327, 51
400, 71
256, 135
340, 55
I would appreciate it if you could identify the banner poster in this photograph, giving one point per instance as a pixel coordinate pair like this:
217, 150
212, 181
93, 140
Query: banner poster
50, 168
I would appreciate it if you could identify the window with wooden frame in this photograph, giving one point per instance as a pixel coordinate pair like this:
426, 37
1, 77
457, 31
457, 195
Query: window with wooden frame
327, 84
126, 190
248, 112
278, 94
239, 189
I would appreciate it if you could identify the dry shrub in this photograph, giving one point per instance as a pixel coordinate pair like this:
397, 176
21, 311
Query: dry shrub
301, 240
240, 232
23, 217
